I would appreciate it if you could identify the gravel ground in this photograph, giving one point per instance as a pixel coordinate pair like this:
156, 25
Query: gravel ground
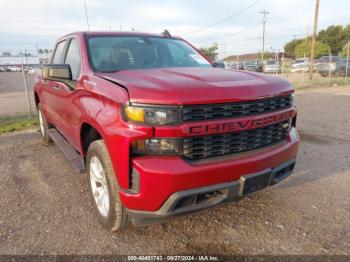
46, 209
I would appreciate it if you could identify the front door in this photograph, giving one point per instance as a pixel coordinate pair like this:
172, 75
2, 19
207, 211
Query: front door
66, 110
50, 87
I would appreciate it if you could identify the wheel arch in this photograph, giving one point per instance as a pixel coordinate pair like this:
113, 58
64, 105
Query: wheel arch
36, 99
88, 134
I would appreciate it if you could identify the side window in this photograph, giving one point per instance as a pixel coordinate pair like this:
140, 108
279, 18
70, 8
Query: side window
73, 58
58, 56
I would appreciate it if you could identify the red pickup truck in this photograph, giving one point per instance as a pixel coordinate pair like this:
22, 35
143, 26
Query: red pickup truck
158, 129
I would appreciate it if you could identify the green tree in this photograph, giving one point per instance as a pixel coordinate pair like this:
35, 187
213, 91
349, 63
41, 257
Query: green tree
304, 49
344, 51
334, 37
210, 52
290, 46
346, 33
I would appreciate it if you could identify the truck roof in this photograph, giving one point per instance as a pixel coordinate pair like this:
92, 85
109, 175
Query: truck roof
114, 33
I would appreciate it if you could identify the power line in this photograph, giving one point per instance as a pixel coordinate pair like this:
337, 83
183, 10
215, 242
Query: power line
266, 37
225, 19
256, 38
233, 34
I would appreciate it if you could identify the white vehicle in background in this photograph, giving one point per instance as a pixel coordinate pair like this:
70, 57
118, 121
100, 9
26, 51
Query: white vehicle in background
272, 66
300, 65
31, 71
14, 69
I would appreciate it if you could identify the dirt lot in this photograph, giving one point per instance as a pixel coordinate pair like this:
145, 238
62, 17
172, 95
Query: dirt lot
45, 206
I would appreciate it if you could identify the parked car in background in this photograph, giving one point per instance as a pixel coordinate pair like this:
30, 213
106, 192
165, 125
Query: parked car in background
300, 65
254, 66
28, 70
237, 65
327, 59
14, 69
2, 69
6, 68
272, 66
327, 65
337, 68
31, 71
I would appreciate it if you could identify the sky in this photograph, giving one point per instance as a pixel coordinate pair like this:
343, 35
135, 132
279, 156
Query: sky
235, 25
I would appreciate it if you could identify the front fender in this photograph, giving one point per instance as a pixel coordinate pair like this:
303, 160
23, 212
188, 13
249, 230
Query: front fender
105, 116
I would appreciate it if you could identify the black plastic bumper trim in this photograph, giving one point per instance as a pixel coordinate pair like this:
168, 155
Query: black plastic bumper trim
231, 191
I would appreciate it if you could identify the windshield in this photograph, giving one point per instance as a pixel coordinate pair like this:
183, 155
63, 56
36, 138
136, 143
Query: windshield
114, 53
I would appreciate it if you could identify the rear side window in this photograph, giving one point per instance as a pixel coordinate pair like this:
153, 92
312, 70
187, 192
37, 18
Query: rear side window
73, 58
58, 56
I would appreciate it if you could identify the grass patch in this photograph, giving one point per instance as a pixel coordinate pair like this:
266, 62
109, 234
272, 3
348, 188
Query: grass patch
320, 83
16, 123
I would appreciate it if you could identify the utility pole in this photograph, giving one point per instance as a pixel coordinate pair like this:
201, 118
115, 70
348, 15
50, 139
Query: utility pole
313, 43
264, 12
87, 17
347, 62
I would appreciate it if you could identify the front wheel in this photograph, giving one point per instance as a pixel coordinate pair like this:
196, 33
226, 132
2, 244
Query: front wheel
104, 188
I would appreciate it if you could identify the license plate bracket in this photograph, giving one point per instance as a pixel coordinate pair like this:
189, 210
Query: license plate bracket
254, 182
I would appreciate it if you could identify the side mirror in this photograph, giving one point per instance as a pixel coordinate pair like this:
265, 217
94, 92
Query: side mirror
60, 73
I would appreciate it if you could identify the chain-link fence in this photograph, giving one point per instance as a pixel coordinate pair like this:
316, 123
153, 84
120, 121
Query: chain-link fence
327, 70
17, 105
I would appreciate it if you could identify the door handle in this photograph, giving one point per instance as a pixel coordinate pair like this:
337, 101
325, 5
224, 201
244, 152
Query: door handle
57, 88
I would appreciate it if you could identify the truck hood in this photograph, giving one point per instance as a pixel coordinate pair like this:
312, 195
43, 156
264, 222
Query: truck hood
196, 85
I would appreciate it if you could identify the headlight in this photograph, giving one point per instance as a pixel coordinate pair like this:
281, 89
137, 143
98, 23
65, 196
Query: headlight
152, 115
157, 146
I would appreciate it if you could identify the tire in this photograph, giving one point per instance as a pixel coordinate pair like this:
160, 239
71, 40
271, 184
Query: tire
43, 126
109, 209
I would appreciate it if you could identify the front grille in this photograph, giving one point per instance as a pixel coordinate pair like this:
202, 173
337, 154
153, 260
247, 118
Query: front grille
196, 148
239, 109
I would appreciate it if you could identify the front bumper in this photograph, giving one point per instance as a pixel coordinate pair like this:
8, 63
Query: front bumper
162, 176
193, 200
